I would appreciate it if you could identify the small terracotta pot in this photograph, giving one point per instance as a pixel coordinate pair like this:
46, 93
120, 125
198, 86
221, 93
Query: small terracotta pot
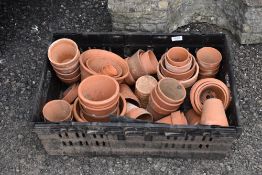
68, 75
135, 66
149, 62
70, 81
178, 56
171, 91
192, 117
135, 112
76, 112
105, 58
176, 118
213, 113
143, 88
208, 88
63, 53
127, 93
122, 105
209, 57
92, 91
70, 94
177, 69
57, 111
129, 79
67, 70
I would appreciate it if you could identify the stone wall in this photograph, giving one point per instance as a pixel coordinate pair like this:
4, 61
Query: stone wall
242, 17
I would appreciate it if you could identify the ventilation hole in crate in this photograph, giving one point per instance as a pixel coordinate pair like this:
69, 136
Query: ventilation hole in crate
66, 134
64, 143
207, 146
183, 146
80, 143
104, 143
173, 145
167, 137
210, 139
189, 146
70, 143
94, 135
166, 145
97, 143
60, 135
101, 136
87, 143
203, 138
77, 135
83, 135
200, 146
186, 137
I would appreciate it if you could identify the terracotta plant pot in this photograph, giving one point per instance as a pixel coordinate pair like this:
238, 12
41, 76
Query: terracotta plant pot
177, 69
70, 81
92, 91
213, 113
63, 53
67, 70
127, 93
149, 62
76, 112
129, 79
178, 56
71, 75
57, 111
208, 88
192, 117
112, 71
143, 88
94, 118
176, 118
102, 58
135, 65
186, 83
70, 94
135, 112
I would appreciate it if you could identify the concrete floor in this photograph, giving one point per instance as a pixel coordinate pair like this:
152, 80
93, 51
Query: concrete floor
25, 32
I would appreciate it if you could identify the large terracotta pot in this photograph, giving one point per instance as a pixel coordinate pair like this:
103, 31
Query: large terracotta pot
92, 91
103, 58
209, 57
178, 56
213, 113
57, 111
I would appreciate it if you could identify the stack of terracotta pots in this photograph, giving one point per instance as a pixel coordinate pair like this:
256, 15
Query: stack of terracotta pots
64, 57
179, 64
96, 101
166, 98
97, 61
141, 63
208, 59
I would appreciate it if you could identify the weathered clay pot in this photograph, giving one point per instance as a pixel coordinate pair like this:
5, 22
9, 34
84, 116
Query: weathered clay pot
171, 91
177, 69
175, 118
76, 112
208, 88
128, 94
70, 81
70, 94
178, 56
122, 105
129, 79
67, 70
57, 111
143, 88
149, 62
208, 57
107, 59
192, 117
63, 53
135, 65
213, 113
135, 112
71, 75
92, 91
94, 118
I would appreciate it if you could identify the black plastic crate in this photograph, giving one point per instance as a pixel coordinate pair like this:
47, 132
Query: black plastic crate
129, 137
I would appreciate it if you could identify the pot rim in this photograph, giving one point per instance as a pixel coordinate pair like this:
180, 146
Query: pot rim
174, 62
77, 114
203, 49
179, 69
